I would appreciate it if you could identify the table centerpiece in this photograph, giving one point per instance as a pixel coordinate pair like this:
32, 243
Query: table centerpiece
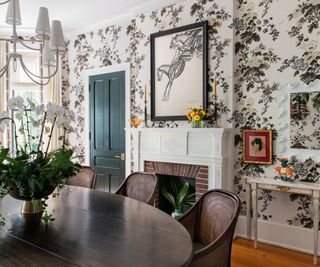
29, 169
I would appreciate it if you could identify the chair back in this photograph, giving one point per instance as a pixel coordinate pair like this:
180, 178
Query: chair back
218, 212
211, 222
140, 186
86, 177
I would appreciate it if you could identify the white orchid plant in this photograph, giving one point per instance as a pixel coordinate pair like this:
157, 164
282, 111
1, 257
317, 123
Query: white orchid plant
30, 169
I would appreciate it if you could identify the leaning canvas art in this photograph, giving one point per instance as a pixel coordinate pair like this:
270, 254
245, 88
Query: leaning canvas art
178, 71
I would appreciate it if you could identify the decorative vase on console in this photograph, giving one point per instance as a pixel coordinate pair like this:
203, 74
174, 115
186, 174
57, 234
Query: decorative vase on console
285, 173
30, 170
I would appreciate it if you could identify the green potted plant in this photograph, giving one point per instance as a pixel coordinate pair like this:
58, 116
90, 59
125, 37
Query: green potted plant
178, 197
30, 171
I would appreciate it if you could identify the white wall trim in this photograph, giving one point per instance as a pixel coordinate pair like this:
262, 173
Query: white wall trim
280, 235
92, 72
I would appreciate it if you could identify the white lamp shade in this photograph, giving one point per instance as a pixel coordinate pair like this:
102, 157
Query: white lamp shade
10, 14
48, 58
43, 24
56, 39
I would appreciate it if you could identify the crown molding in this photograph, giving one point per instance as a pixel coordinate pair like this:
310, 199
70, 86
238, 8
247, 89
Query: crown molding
147, 7
74, 31
131, 13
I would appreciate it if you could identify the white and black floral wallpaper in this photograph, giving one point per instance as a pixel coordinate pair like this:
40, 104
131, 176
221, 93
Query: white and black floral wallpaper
254, 47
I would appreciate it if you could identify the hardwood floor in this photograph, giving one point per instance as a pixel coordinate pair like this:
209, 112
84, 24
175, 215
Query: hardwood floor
244, 255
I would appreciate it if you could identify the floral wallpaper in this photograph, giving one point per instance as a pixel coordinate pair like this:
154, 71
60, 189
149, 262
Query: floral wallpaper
130, 42
254, 47
272, 49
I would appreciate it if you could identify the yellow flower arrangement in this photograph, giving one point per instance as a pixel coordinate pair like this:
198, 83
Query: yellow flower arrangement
196, 116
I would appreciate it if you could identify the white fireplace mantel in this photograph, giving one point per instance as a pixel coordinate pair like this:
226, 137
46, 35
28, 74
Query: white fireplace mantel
211, 147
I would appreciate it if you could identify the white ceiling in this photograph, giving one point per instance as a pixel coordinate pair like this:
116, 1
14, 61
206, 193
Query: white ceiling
79, 14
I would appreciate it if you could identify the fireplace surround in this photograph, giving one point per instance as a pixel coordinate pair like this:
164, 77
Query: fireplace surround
203, 153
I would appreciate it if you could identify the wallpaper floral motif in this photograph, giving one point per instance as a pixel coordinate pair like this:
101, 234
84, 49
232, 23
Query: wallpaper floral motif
271, 49
130, 43
255, 46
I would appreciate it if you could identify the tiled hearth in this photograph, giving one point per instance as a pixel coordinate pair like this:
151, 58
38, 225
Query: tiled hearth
198, 172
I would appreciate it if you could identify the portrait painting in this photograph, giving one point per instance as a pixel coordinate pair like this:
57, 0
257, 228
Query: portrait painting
178, 71
257, 146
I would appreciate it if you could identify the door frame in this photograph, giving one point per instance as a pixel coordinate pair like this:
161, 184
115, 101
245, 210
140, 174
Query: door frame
104, 70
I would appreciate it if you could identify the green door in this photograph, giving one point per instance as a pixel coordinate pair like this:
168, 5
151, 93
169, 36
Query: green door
107, 122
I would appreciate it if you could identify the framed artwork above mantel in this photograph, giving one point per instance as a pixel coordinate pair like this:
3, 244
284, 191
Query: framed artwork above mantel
179, 64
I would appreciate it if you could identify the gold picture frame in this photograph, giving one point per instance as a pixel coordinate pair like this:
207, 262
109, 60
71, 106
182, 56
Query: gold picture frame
257, 146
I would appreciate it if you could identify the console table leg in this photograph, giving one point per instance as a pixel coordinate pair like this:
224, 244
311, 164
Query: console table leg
315, 225
255, 217
248, 196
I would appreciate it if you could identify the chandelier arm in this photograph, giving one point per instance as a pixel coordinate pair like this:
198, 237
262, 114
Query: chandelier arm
4, 68
37, 76
27, 46
29, 74
35, 81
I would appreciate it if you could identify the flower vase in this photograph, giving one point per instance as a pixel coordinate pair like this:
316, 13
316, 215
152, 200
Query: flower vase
176, 214
196, 124
285, 173
32, 206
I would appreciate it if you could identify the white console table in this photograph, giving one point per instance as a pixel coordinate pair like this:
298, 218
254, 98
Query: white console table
309, 189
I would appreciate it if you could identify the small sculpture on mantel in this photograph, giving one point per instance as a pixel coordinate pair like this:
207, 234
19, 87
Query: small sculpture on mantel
285, 172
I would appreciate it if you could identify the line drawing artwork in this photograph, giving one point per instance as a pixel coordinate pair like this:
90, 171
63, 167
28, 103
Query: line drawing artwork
186, 45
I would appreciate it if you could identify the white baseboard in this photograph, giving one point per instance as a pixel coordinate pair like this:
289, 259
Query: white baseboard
281, 235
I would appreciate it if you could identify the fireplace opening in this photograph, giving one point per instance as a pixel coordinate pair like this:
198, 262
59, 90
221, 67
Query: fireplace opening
165, 181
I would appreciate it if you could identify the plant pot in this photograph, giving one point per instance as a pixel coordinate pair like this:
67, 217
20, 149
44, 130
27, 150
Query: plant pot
176, 214
27, 193
32, 206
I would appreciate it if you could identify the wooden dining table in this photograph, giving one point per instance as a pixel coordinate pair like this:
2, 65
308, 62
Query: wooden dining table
92, 228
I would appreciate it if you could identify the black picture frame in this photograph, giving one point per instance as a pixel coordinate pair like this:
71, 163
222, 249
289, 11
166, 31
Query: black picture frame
181, 56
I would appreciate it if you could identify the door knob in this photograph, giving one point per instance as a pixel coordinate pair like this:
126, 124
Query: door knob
121, 157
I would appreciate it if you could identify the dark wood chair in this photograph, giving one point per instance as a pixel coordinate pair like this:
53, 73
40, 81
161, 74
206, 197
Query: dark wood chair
211, 223
86, 177
140, 186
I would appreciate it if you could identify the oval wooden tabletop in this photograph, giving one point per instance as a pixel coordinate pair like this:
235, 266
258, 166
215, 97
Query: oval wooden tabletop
93, 228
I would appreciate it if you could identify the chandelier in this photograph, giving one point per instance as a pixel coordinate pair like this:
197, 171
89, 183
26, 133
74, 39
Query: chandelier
51, 44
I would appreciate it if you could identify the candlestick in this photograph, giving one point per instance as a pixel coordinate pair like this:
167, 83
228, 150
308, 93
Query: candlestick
145, 93
215, 87
215, 114
145, 105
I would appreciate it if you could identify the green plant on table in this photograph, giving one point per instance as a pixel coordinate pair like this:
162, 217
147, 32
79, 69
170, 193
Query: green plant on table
30, 169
